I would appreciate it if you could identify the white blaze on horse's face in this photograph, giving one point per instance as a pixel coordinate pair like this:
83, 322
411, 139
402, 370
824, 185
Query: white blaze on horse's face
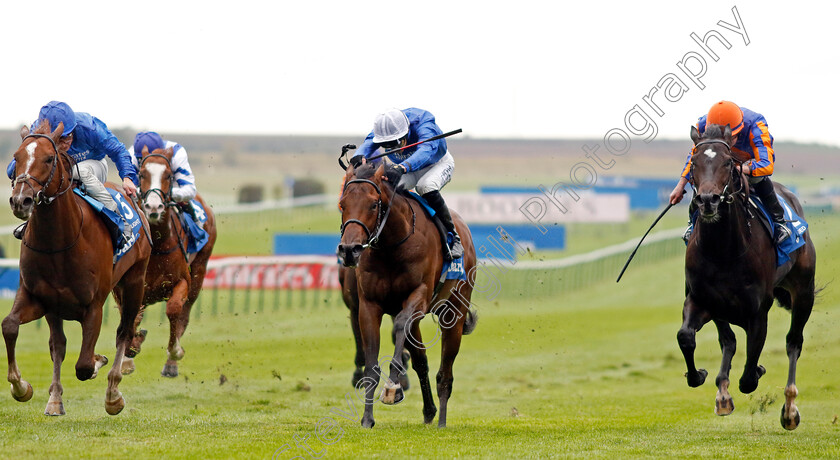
30, 150
153, 202
710, 153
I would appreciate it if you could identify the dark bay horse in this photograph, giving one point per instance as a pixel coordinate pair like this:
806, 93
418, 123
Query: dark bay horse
731, 274
397, 254
173, 275
67, 270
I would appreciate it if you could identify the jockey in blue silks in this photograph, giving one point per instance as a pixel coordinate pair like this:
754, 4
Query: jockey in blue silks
427, 167
88, 141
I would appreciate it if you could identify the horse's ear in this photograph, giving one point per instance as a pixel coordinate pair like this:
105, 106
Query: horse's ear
169, 152
380, 172
24, 131
59, 130
145, 151
695, 134
727, 135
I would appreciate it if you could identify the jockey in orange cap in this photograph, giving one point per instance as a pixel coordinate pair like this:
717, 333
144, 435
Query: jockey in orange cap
753, 144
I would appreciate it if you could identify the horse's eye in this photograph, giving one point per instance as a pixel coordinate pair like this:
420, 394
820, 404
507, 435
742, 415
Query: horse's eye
373, 207
49, 160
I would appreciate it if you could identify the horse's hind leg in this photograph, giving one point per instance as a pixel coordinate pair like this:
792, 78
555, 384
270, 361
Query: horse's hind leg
132, 296
803, 302
58, 347
88, 364
24, 310
451, 344
175, 307
420, 363
726, 338
415, 306
756, 335
693, 319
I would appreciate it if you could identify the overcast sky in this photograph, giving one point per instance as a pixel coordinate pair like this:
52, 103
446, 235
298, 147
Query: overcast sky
495, 69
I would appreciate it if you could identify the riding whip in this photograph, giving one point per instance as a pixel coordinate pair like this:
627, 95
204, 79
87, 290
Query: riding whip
433, 138
670, 205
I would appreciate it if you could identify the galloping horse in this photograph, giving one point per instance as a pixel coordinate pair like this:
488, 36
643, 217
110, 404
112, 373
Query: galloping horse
172, 275
397, 255
67, 269
731, 274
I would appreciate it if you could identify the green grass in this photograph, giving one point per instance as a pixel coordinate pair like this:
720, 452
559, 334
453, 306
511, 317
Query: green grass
593, 373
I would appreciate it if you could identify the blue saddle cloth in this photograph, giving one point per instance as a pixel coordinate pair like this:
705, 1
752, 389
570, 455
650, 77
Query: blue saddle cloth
114, 222
796, 224
196, 236
452, 269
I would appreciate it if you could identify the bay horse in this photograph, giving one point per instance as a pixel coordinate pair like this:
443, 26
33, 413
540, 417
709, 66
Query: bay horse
732, 277
173, 275
397, 256
67, 269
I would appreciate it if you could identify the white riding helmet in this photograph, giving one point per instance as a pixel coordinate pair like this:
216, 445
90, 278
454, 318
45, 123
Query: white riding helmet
389, 126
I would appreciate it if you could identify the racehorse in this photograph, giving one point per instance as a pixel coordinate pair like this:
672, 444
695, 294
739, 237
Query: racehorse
67, 269
173, 275
731, 274
397, 254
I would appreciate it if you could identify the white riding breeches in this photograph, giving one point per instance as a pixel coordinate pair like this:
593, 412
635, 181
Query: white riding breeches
431, 178
93, 173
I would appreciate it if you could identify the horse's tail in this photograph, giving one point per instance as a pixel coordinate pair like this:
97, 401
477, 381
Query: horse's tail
471, 322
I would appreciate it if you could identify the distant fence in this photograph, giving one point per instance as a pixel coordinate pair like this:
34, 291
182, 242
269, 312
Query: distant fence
249, 285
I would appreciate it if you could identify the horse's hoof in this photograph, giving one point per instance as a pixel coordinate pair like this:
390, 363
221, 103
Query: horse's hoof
368, 423
132, 351
392, 393
169, 370
724, 406
54, 408
115, 407
404, 383
27, 395
357, 375
430, 416
790, 423
697, 379
127, 366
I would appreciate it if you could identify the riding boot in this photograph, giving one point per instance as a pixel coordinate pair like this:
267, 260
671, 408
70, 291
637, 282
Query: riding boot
764, 190
692, 208
435, 200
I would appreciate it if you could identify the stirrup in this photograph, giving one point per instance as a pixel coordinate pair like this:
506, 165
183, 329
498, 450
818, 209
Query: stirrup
782, 233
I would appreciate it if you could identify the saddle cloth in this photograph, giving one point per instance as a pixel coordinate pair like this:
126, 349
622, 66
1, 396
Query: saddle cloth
196, 235
452, 269
114, 222
796, 224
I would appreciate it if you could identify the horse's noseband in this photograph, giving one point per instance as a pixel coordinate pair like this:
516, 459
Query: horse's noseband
727, 196
371, 237
164, 197
41, 196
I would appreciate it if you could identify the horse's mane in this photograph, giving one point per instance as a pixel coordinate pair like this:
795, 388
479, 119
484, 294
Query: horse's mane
43, 127
366, 171
713, 132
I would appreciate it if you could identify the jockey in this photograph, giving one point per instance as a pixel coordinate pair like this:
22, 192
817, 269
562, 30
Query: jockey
427, 167
87, 140
752, 144
183, 187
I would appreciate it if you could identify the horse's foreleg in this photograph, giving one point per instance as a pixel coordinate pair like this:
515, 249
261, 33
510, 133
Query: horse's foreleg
726, 338
413, 309
420, 363
693, 319
802, 303
370, 319
23, 311
58, 347
756, 335
88, 364
175, 311
132, 295
359, 359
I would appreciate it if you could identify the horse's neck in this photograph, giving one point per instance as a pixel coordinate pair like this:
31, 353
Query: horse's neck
399, 222
728, 237
58, 222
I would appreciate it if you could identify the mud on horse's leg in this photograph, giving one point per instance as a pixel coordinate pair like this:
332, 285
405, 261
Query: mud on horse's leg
723, 400
693, 319
23, 311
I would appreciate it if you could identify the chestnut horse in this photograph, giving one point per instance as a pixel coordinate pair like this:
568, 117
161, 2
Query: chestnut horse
732, 277
173, 275
397, 254
67, 269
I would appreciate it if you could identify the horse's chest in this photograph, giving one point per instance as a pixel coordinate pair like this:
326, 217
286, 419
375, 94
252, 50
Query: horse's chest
57, 290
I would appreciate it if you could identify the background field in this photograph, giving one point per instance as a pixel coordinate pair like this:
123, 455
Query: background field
593, 372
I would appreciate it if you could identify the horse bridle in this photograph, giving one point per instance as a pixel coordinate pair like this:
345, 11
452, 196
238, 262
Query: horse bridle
164, 197
726, 196
381, 217
40, 196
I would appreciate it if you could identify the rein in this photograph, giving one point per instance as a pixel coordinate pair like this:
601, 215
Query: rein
381, 219
727, 196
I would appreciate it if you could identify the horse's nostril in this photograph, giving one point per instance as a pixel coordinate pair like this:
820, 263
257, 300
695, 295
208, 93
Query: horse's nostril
27, 201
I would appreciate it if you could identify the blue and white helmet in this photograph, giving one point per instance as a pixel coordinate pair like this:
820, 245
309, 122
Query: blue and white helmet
389, 126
